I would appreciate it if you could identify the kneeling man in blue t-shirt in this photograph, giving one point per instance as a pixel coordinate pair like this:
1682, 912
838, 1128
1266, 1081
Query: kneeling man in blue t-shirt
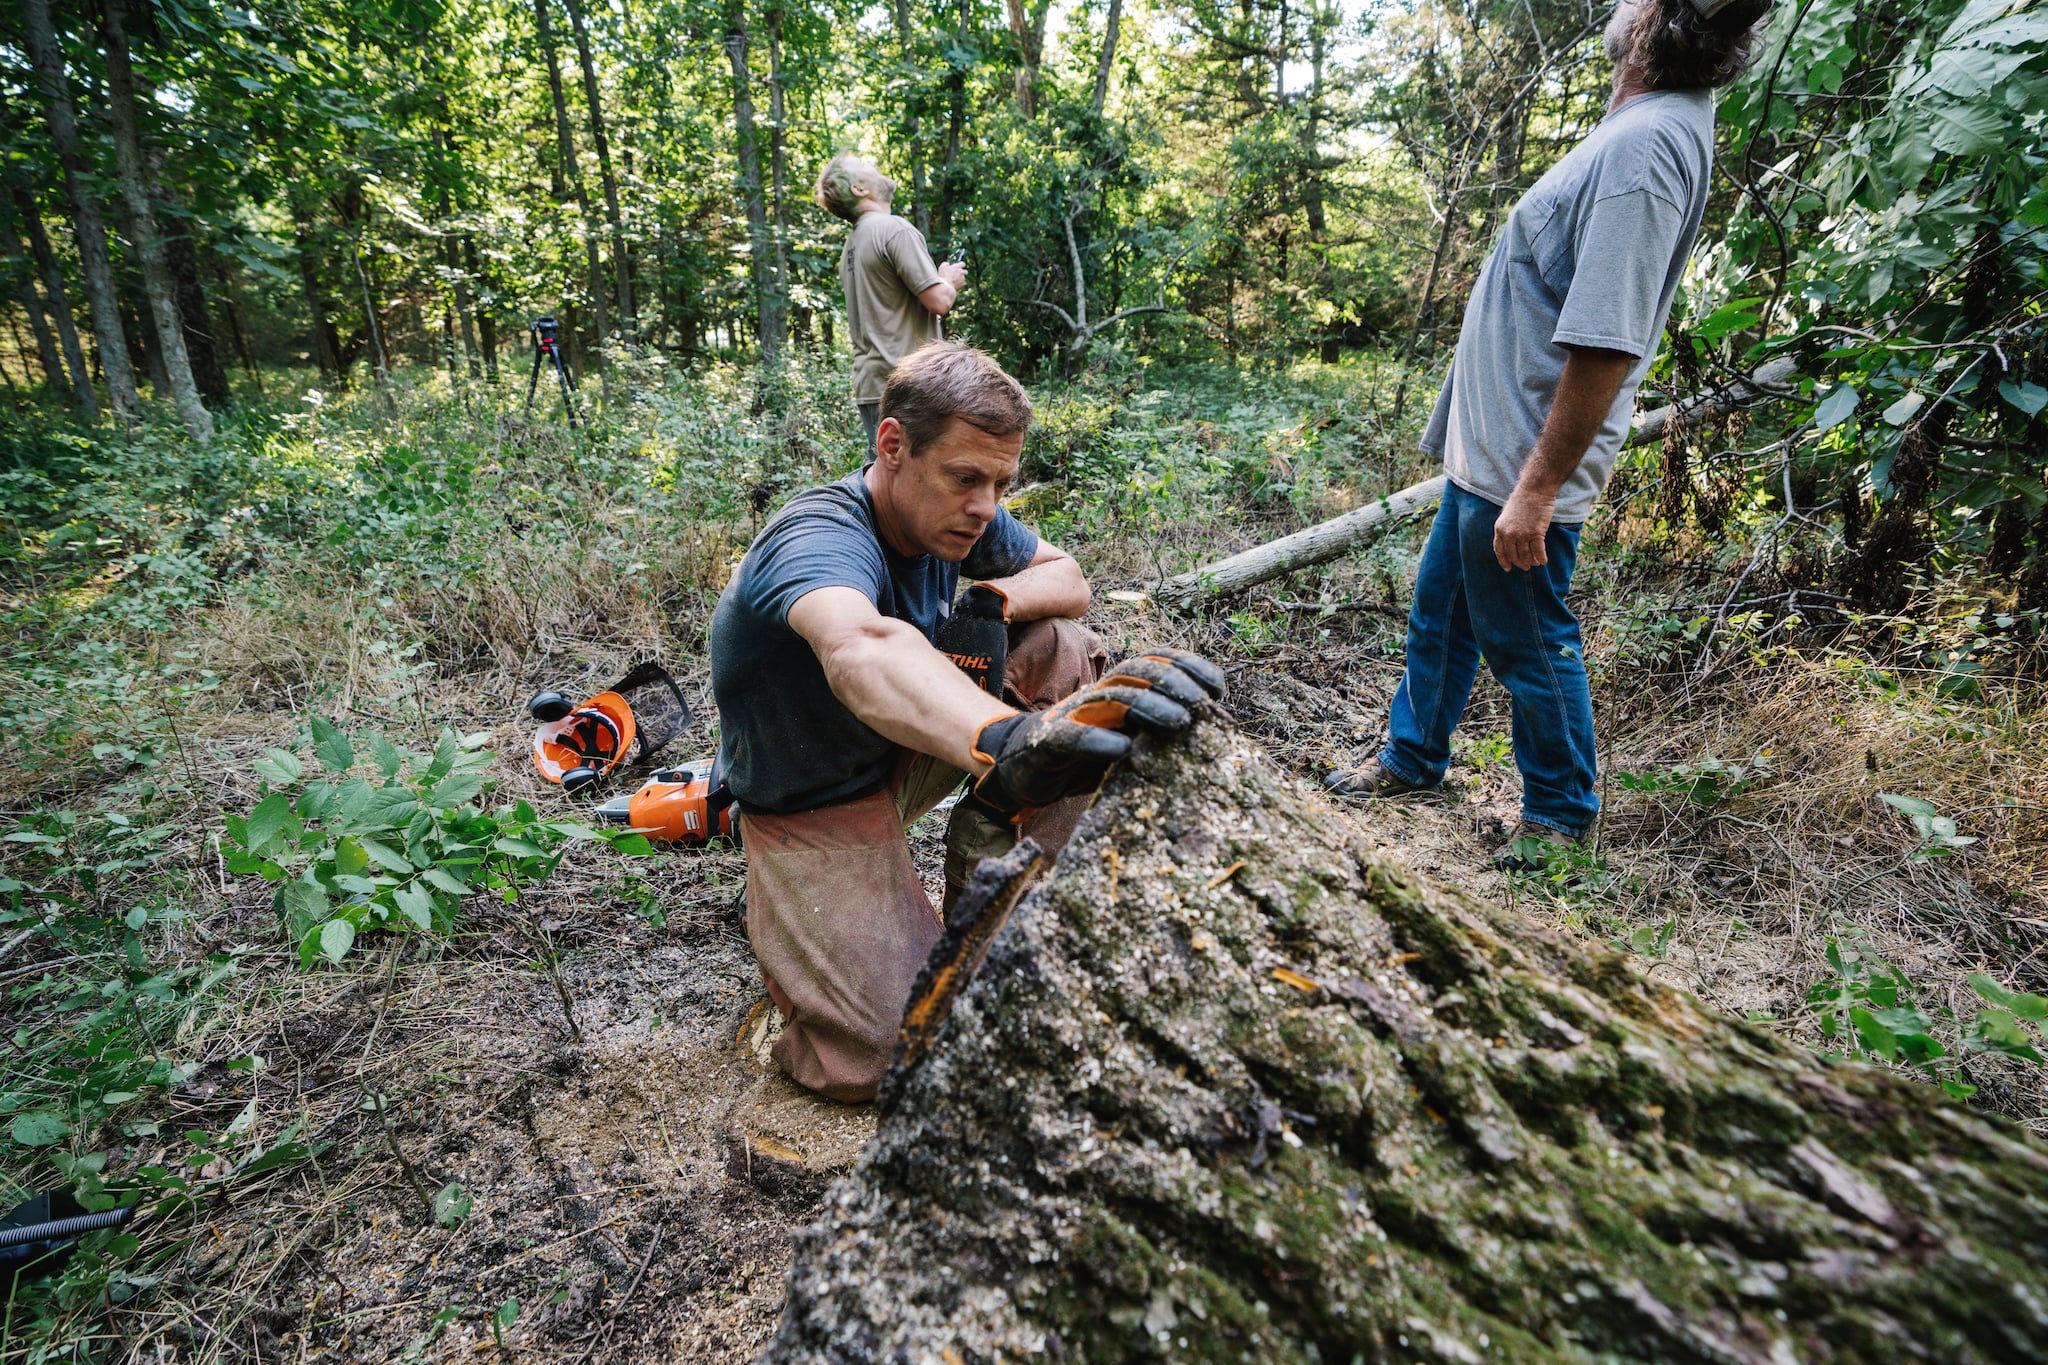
843, 721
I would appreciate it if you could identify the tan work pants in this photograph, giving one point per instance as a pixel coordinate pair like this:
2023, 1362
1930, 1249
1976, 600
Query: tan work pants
837, 917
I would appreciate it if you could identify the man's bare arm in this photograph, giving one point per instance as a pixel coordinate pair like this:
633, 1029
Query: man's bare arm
1051, 585
1585, 394
939, 297
885, 672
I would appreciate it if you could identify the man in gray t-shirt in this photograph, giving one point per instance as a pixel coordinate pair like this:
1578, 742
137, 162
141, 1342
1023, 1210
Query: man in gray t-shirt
1560, 329
895, 294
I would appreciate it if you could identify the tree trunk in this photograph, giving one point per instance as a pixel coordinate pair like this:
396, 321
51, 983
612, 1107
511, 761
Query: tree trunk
913, 120
451, 262
1327, 540
1029, 29
778, 157
486, 321
956, 130
52, 274
1112, 27
1312, 175
321, 306
88, 228
622, 261
377, 352
134, 330
767, 300
1230, 1086
181, 253
202, 341
22, 268
157, 284
227, 304
572, 174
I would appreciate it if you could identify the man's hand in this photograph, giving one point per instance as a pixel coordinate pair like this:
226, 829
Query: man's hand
955, 274
1039, 757
1585, 392
1519, 531
976, 637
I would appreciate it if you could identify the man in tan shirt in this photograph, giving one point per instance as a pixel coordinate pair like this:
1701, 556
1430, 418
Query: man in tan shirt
895, 294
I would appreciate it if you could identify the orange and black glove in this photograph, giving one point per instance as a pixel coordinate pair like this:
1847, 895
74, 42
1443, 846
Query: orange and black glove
977, 636
1041, 756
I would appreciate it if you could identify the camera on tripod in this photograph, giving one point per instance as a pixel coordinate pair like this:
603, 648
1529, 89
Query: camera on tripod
546, 347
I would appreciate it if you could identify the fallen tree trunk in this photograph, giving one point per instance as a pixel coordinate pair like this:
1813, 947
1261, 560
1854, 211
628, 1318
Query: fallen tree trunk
1331, 539
1229, 1087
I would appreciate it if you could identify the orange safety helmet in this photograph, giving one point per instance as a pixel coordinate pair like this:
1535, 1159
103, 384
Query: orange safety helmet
585, 745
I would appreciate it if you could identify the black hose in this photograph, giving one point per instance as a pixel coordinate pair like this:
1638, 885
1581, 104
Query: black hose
64, 1227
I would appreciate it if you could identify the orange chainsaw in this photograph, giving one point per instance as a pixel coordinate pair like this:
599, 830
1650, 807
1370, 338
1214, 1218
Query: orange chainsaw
690, 804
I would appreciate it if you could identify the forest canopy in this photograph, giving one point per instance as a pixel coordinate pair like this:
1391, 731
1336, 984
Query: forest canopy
350, 187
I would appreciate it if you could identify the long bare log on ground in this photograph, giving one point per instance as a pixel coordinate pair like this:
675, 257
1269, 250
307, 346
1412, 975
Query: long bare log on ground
1229, 1086
1331, 539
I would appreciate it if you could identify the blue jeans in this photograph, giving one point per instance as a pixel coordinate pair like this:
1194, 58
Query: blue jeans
1467, 606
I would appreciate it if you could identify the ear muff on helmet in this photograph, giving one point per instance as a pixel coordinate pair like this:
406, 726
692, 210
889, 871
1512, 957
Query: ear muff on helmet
547, 706
578, 748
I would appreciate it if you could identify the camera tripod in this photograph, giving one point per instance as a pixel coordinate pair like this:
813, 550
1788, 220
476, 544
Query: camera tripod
547, 347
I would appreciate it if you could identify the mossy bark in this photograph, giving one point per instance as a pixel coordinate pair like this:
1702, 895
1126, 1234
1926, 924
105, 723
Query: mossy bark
1230, 1087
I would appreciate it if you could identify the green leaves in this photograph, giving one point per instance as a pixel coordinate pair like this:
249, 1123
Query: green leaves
279, 767
1938, 836
1835, 408
40, 1128
337, 936
386, 756
331, 747
351, 858
2028, 398
2003, 1028
2032, 1008
1869, 1006
452, 1205
272, 814
416, 904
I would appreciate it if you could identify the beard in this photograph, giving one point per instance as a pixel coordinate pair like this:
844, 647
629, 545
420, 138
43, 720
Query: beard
885, 188
1620, 27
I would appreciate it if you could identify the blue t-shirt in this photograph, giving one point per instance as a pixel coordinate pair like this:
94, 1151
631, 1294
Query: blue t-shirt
788, 743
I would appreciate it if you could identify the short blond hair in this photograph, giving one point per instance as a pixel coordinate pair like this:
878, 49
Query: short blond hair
834, 190
945, 379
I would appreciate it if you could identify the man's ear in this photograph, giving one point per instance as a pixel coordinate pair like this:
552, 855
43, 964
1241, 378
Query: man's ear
892, 443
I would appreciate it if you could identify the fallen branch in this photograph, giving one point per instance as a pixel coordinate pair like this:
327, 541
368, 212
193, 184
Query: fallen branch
1336, 537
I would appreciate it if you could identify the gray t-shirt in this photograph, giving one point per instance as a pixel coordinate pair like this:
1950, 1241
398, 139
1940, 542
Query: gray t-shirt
883, 268
789, 744
1590, 256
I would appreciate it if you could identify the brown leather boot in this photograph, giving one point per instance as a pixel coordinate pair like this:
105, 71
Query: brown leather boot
1370, 779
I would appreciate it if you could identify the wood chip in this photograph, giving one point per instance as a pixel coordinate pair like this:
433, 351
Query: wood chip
1203, 941
1294, 979
1225, 875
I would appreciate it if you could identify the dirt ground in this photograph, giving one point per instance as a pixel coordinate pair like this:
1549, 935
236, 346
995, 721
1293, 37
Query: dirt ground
608, 1197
